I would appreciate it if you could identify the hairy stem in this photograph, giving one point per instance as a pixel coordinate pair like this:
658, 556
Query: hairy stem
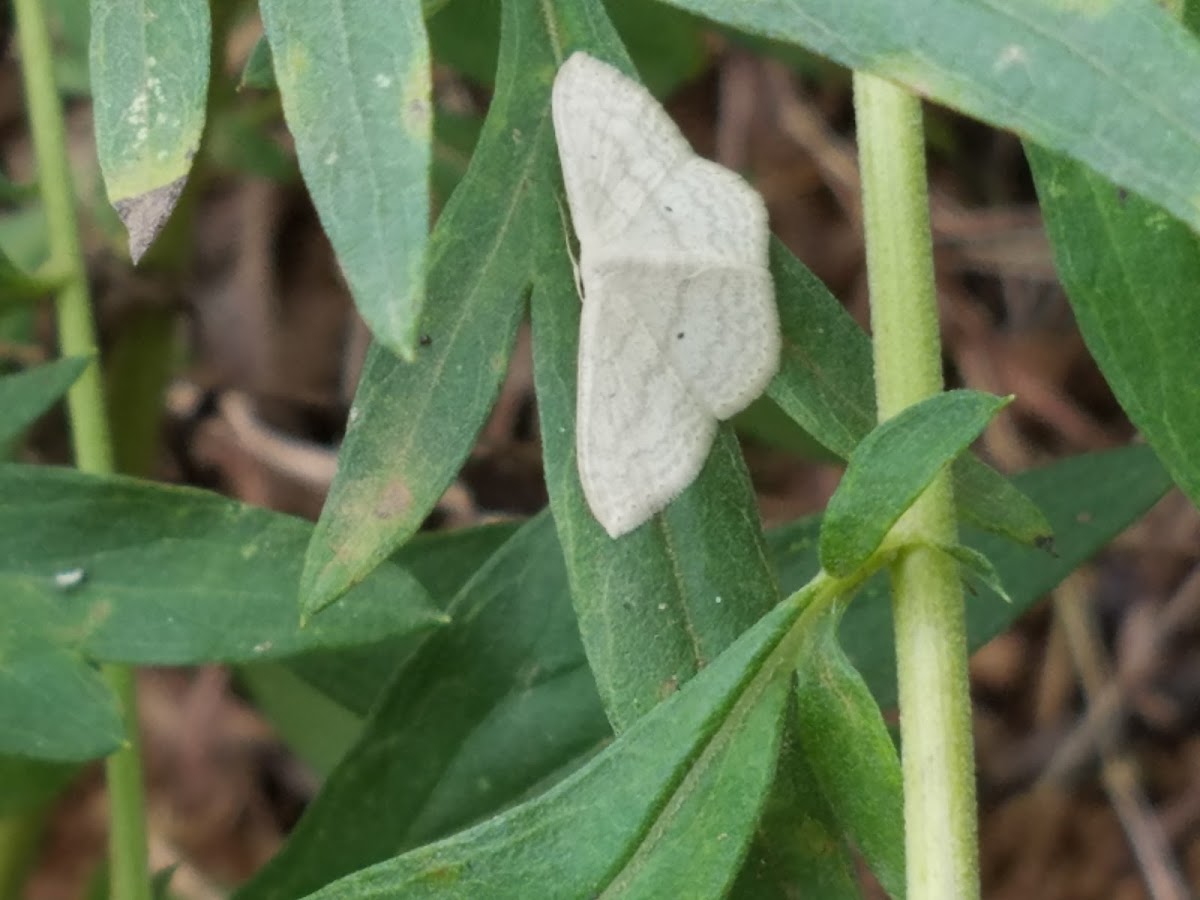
941, 849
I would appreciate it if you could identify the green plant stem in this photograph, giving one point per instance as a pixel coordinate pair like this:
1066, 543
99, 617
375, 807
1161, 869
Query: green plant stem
85, 405
941, 841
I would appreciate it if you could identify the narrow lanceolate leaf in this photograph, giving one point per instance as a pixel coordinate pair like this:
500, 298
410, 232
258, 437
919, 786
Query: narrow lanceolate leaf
149, 72
1131, 271
978, 567
129, 571
355, 81
847, 746
666, 811
891, 466
1110, 84
488, 710
413, 424
826, 385
26, 395
259, 71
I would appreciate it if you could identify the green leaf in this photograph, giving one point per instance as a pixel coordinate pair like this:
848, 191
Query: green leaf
667, 46
24, 397
355, 82
765, 423
1088, 499
465, 35
890, 468
160, 884
847, 745
454, 135
259, 71
826, 374
979, 567
485, 711
70, 27
669, 808
986, 499
23, 235
316, 728
149, 73
1191, 15
454, 140
116, 570
1130, 271
127, 571
826, 384
412, 425
37, 677
441, 561
1109, 84
161, 575
800, 841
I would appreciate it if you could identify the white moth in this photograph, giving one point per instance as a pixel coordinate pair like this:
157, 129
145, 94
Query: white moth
679, 327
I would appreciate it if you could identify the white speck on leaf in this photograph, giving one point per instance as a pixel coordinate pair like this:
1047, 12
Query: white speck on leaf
331, 158
1010, 56
139, 109
69, 578
383, 81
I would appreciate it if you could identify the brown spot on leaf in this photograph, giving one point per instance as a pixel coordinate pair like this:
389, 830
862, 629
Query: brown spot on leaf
667, 688
443, 874
145, 215
394, 501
